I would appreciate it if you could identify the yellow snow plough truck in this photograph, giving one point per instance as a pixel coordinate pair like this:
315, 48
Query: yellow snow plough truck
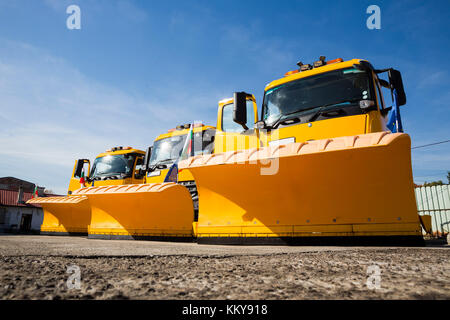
71, 215
156, 209
327, 162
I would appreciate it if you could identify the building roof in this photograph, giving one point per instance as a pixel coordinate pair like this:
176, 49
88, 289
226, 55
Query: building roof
9, 198
12, 183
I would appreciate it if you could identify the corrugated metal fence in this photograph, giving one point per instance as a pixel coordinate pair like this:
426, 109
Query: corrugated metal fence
435, 201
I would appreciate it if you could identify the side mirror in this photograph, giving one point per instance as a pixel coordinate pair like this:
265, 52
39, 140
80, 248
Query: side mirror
139, 174
79, 168
395, 78
240, 109
147, 157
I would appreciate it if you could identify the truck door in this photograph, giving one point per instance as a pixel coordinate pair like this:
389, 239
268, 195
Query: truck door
231, 136
81, 165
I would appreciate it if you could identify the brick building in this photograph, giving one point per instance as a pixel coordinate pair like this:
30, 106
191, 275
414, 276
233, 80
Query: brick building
15, 215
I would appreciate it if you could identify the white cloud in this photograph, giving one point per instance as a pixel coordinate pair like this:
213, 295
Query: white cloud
433, 79
126, 9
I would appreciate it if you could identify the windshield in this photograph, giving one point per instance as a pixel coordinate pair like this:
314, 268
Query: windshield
169, 149
113, 165
345, 85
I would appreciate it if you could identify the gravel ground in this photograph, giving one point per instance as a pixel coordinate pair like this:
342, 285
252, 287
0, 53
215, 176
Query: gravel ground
209, 272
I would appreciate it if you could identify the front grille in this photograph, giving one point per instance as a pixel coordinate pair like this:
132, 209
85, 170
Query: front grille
192, 187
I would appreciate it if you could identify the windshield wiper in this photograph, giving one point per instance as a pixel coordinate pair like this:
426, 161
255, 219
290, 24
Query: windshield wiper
159, 163
328, 106
100, 176
284, 117
114, 174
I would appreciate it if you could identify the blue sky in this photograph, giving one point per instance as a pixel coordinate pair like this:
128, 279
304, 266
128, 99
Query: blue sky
138, 68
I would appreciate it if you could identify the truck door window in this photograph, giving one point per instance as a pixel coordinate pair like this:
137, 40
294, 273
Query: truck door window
386, 96
228, 125
139, 163
86, 170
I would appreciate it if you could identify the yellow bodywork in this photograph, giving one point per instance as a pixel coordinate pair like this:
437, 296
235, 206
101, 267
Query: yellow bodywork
340, 187
64, 215
184, 175
338, 179
72, 214
154, 210
341, 178
160, 174
425, 221
147, 211
74, 183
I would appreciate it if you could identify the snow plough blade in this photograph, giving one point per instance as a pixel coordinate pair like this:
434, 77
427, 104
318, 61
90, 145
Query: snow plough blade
64, 215
157, 211
346, 190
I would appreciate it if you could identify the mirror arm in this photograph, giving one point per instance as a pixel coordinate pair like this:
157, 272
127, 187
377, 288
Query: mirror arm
385, 111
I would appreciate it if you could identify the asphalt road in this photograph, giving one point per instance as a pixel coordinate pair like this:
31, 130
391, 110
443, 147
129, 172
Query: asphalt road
43, 267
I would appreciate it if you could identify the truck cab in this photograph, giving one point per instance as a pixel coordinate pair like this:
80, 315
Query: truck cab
323, 100
116, 166
167, 149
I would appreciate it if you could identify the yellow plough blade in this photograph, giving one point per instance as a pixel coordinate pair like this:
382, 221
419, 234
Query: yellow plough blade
64, 215
157, 211
353, 189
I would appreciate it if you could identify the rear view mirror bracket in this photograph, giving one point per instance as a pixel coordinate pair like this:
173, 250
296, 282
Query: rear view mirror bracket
384, 84
385, 111
395, 83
